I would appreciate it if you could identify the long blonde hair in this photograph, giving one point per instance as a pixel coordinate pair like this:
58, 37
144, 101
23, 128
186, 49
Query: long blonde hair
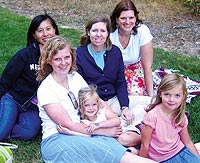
50, 49
169, 82
85, 94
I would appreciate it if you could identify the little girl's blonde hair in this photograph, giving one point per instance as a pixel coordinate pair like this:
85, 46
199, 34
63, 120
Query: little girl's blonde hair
85, 94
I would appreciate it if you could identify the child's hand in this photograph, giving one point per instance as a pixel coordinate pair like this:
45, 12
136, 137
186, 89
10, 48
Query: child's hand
92, 127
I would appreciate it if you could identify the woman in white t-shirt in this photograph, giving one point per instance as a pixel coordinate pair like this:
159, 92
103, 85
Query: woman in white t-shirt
135, 42
57, 103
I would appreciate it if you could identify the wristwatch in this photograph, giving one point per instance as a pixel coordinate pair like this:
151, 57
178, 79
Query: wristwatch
124, 107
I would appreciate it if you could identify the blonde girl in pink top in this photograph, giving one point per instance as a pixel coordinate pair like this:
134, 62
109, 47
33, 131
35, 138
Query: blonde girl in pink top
165, 136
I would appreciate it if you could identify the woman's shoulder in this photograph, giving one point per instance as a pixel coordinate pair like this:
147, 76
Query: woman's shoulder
115, 52
46, 81
142, 27
114, 34
144, 34
45, 85
80, 48
81, 51
29, 48
24, 55
115, 49
29, 51
76, 77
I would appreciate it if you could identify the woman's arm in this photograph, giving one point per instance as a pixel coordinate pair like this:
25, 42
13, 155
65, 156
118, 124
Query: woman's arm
65, 130
147, 61
145, 140
112, 120
58, 114
185, 138
11, 73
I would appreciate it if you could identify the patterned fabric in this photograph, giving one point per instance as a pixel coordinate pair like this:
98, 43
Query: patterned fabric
193, 86
136, 84
135, 79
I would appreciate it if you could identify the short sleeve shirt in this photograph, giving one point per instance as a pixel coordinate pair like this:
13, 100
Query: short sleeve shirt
165, 141
131, 54
52, 92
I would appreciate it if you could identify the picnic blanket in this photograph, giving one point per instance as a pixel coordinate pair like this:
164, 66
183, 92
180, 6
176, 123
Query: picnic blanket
193, 86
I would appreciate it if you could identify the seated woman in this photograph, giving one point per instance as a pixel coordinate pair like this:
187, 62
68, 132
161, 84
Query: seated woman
19, 117
135, 42
58, 106
100, 63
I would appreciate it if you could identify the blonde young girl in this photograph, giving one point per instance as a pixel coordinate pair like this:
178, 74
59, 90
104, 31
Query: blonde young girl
92, 110
93, 113
165, 136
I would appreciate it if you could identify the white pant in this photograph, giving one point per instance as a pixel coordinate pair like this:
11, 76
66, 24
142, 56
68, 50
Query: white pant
134, 102
137, 104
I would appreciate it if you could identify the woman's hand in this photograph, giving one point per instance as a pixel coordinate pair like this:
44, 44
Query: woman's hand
63, 130
128, 115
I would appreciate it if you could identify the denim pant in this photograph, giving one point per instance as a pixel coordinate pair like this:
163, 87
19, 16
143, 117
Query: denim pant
18, 123
184, 156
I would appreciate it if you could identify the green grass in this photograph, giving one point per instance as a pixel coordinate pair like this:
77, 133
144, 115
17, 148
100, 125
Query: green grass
13, 29
189, 66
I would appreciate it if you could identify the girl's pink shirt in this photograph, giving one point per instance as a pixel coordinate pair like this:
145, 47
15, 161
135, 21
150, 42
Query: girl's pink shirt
165, 142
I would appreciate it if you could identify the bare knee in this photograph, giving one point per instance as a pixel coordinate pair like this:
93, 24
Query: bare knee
129, 139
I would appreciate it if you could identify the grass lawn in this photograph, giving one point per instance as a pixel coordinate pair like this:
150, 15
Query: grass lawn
13, 29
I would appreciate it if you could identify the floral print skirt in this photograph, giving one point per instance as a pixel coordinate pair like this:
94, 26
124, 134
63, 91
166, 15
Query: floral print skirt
134, 75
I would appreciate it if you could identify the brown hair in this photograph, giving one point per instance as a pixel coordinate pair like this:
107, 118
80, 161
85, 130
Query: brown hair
169, 82
50, 49
85, 39
124, 5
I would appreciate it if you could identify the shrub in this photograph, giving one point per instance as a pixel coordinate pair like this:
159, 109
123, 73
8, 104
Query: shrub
192, 5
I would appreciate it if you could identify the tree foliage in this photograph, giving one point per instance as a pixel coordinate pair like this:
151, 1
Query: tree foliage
193, 5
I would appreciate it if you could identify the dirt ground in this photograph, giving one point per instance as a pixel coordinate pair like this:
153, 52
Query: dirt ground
174, 27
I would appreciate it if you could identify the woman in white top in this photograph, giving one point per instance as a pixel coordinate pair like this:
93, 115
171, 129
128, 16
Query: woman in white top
135, 42
58, 106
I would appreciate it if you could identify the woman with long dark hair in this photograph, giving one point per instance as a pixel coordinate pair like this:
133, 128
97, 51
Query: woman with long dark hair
19, 115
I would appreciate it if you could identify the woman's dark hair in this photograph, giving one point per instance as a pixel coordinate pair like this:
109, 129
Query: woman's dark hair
124, 5
35, 23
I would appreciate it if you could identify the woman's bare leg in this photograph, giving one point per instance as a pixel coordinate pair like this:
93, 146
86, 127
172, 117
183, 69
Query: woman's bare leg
129, 139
